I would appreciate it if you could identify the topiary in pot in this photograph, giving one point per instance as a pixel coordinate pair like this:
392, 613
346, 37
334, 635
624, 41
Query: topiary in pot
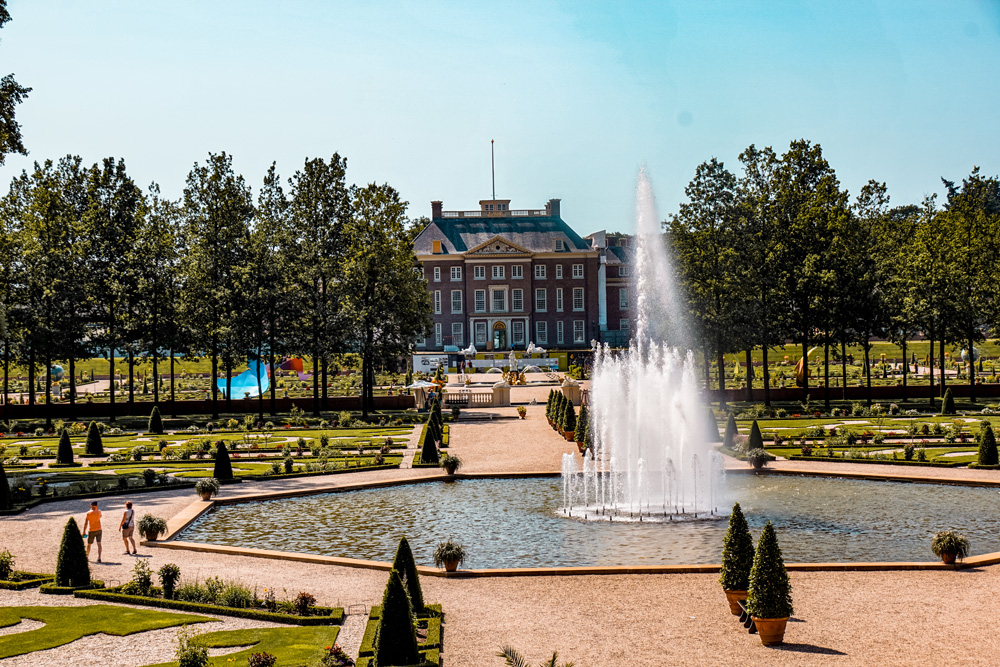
6, 502
95, 445
569, 418
769, 597
729, 439
758, 458
407, 568
737, 560
449, 554
949, 545
987, 447
395, 637
152, 526
450, 463
206, 488
155, 424
223, 465
72, 568
65, 453
948, 403
582, 422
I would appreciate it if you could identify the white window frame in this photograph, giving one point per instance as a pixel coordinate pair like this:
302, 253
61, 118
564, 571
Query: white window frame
625, 324
456, 274
559, 332
456, 302
498, 272
437, 302
422, 342
577, 271
517, 332
623, 272
559, 299
457, 333
623, 299
559, 272
479, 272
517, 272
482, 334
542, 332
579, 331
560, 245
579, 300
493, 300
438, 336
480, 298
539, 272
541, 300
517, 300
437, 274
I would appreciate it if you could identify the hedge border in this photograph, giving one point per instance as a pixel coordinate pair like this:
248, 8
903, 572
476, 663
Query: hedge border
978, 466
890, 462
35, 502
335, 617
435, 631
53, 589
37, 579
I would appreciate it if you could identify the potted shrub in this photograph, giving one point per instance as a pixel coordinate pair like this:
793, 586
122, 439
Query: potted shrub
151, 527
758, 458
449, 554
950, 545
522, 411
737, 560
769, 597
206, 488
450, 463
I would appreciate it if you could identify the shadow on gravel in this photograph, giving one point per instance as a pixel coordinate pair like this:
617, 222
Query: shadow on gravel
807, 648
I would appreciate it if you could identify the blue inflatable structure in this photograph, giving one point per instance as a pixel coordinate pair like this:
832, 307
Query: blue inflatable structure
244, 385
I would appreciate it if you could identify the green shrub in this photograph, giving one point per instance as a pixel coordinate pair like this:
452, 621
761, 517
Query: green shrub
6, 502
569, 417
582, 423
729, 439
711, 426
188, 653
737, 553
396, 639
155, 421
770, 591
223, 465
142, 580
95, 445
72, 568
948, 403
289, 464
950, 542
65, 453
263, 659
429, 452
6, 565
169, 574
235, 596
407, 568
756, 441
988, 447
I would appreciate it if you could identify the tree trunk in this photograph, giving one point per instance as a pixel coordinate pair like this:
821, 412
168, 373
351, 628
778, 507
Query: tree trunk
323, 404
173, 397
48, 392
868, 368
720, 360
364, 383
749, 377
111, 381
906, 367
708, 369
260, 391
72, 387
826, 371
843, 368
31, 383
972, 372
805, 367
315, 376
944, 377
215, 374
767, 378
6, 377
229, 387
930, 367
131, 382
274, 377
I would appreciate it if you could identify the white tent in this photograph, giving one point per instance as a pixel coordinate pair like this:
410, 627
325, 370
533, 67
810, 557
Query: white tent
420, 388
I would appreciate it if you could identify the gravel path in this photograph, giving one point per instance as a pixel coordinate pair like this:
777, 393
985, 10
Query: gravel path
855, 618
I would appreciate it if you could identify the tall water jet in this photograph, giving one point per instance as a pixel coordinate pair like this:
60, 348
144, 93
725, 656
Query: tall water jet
650, 457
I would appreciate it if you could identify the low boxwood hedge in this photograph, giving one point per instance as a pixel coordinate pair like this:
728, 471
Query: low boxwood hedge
52, 589
25, 580
324, 616
430, 618
890, 462
984, 467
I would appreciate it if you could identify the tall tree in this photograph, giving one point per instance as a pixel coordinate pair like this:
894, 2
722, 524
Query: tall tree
11, 94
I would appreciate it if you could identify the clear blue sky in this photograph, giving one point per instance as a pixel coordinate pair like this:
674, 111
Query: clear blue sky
576, 94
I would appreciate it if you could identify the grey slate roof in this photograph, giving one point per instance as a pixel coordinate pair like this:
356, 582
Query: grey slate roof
535, 234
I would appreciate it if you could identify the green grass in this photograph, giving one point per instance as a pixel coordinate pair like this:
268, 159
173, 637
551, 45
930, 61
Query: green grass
293, 647
67, 624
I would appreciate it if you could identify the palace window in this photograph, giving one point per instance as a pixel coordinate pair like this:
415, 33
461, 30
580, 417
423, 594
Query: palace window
498, 273
437, 274
457, 335
542, 332
578, 299
479, 272
578, 270
517, 332
540, 300
559, 332
437, 335
517, 300
480, 301
456, 301
500, 301
539, 271
623, 299
480, 333
517, 272
437, 302
558, 271
559, 300
578, 331
456, 273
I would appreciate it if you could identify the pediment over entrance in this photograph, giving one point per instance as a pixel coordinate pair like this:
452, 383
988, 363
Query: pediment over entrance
498, 246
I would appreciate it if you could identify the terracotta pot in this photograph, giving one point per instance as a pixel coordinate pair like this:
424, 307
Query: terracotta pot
151, 537
734, 598
206, 496
568, 435
450, 565
947, 558
771, 630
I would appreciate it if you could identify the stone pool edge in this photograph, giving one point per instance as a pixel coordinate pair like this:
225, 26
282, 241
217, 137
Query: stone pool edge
181, 520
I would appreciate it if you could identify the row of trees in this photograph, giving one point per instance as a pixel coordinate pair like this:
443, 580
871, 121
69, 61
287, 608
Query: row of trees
93, 265
781, 252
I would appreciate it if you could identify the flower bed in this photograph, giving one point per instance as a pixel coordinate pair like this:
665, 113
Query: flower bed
22, 580
319, 616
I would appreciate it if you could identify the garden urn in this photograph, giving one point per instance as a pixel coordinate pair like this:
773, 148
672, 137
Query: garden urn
734, 598
451, 565
771, 630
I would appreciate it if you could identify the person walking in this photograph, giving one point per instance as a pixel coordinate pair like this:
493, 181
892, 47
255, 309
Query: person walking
127, 526
92, 529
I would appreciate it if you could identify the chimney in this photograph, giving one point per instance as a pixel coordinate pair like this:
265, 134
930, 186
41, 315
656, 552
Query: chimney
552, 208
436, 210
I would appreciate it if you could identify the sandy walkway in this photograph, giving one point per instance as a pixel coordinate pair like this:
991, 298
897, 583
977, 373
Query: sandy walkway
862, 618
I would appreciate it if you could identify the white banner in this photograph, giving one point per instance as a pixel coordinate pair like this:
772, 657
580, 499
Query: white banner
428, 363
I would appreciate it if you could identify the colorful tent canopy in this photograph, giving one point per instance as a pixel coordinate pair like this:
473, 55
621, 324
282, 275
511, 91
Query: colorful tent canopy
246, 382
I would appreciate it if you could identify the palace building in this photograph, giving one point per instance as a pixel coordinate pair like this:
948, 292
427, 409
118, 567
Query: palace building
501, 278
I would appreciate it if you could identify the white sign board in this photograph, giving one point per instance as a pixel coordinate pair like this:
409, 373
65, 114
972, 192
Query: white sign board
541, 362
428, 363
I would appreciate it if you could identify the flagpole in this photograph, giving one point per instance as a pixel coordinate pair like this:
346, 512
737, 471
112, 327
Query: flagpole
493, 171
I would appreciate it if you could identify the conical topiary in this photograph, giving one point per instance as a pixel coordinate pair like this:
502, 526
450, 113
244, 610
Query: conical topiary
588, 437
6, 502
429, 452
395, 638
569, 417
223, 465
72, 568
581, 424
770, 591
550, 403
737, 553
948, 403
155, 421
712, 427
988, 447
407, 568
729, 439
65, 452
756, 441
95, 445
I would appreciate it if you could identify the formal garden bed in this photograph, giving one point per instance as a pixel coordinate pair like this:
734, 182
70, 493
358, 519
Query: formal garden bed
19, 581
429, 624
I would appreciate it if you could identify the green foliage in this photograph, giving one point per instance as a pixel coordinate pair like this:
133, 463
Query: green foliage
449, 551
72, 568
6, 565
190, 654
396, 639
770, 591
65, 453
988, 446
948, 403
142, 580
291, 646
737, 553
950, 542
729, 439
451, 463
568, 417
429, 451
6, 502
95, 445
712, 426
169, 573
155, 421
756, 441
514, 659
150, 524
407, 568
582, 424
223, 465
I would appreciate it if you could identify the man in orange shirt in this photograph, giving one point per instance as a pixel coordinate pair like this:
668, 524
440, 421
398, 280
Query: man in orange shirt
92, 529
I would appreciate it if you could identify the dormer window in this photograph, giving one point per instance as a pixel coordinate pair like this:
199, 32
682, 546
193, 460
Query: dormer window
560, 246
436, 247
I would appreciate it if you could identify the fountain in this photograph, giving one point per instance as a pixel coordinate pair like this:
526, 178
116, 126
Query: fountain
650, 459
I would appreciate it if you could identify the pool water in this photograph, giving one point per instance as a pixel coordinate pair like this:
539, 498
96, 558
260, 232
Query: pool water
517, 523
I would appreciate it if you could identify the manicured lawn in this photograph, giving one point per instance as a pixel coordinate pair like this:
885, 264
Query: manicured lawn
293, 647
67, 624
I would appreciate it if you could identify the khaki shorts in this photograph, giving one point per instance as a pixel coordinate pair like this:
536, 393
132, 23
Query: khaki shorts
127, 532
94, 535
